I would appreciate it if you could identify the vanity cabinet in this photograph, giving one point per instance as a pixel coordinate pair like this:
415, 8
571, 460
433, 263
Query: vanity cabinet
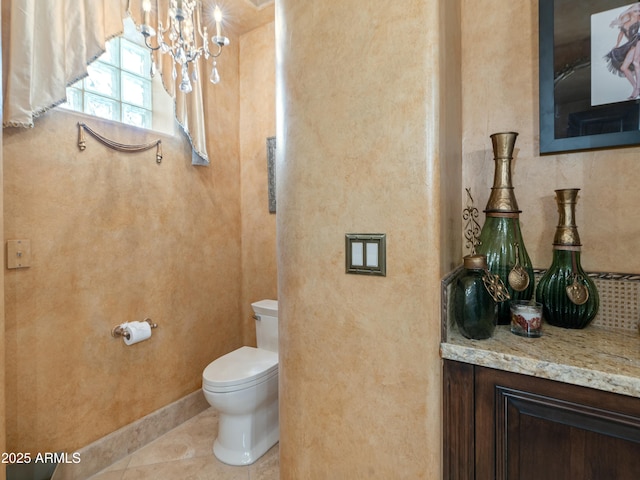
503, 425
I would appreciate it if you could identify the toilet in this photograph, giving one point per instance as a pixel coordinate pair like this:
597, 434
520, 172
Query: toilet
243, 387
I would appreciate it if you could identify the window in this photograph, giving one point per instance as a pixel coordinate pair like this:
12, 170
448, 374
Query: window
120, 88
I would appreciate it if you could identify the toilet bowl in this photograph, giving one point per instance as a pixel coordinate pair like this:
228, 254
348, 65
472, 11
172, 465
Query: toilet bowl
243, 387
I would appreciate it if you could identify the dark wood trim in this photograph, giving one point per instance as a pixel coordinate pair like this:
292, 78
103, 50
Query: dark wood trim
458, 419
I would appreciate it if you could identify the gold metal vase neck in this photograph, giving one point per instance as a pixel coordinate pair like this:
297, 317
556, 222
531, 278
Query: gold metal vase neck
503, 144
502, 198
566, 231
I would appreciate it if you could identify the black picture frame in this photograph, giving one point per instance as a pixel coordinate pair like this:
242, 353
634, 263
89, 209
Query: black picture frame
564, 56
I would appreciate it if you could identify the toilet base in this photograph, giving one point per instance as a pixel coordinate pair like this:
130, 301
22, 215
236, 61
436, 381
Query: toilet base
246, 457
243, 439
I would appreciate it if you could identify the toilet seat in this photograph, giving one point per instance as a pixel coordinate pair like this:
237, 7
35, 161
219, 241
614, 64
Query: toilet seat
240, 369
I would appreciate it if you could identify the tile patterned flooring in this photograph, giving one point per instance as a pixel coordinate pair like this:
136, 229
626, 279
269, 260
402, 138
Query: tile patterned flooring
186, 453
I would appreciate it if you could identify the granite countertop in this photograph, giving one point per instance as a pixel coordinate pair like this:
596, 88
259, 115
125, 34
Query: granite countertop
596, 357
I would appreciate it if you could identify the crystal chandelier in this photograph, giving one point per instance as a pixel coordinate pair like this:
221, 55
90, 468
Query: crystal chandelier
184, 37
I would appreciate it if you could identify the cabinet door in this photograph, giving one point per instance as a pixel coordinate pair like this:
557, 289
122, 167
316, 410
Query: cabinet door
529, 428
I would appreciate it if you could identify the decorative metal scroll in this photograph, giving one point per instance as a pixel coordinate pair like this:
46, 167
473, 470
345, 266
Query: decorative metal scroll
120, 147
472, 227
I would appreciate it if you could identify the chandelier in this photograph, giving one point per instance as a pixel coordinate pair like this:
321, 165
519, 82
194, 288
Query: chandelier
183, 36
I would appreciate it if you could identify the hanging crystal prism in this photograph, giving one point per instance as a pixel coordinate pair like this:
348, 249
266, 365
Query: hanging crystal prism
215, 76
181, 56
185, 84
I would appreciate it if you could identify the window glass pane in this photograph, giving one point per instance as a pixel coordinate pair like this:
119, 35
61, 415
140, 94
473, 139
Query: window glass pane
103, 79
135, 58
112, 55
74, 99
136, 90
101, 107
136, 116
119, 86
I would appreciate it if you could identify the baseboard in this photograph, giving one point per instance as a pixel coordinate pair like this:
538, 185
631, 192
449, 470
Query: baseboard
109, 449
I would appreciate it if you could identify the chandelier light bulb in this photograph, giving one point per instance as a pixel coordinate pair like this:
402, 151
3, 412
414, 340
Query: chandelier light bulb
146, 8
217, 16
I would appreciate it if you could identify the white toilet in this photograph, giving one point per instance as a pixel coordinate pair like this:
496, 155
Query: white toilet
243, 386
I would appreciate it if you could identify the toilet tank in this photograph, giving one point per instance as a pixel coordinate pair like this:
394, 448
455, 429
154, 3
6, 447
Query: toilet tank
266, 315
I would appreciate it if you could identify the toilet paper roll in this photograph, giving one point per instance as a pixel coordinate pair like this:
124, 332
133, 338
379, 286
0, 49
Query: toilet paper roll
138, 331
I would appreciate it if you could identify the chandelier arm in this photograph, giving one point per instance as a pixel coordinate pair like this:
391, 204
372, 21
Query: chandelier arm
180, 31
161, 28
217, 54
195, 56
205, 43
148, 44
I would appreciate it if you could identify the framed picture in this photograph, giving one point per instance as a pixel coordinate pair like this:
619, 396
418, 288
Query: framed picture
589, 87
271, 172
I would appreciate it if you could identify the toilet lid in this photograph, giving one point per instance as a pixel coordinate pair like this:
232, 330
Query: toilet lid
241, 368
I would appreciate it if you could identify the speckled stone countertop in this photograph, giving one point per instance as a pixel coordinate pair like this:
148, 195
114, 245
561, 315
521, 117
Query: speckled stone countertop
596, 357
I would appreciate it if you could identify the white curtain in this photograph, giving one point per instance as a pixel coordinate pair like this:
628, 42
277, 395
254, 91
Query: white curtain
51, 42
189, 107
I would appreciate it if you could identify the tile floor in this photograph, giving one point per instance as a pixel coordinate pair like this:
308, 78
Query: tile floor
185, 453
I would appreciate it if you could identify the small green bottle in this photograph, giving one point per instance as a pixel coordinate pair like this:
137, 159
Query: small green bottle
475, 311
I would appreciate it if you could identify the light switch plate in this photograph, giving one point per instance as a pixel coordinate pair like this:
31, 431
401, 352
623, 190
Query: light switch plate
366, 253
18, 253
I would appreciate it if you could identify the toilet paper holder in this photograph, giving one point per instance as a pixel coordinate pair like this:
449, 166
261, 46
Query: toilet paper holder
118, 330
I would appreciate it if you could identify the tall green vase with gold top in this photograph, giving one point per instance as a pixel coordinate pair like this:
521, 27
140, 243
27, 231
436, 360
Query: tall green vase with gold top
501, 238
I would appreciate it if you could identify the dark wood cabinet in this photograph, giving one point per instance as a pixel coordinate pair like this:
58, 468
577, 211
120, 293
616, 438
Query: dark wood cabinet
502, 425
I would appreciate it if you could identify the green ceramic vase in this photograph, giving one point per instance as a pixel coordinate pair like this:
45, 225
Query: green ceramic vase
501, 239
569, 297
497, 242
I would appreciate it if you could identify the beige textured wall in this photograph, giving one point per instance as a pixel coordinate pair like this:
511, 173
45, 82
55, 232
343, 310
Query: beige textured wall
500, 93
116, 238
257, 122
364, 146
3, 438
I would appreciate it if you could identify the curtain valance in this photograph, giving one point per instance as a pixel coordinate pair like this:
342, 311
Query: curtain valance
51, 43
